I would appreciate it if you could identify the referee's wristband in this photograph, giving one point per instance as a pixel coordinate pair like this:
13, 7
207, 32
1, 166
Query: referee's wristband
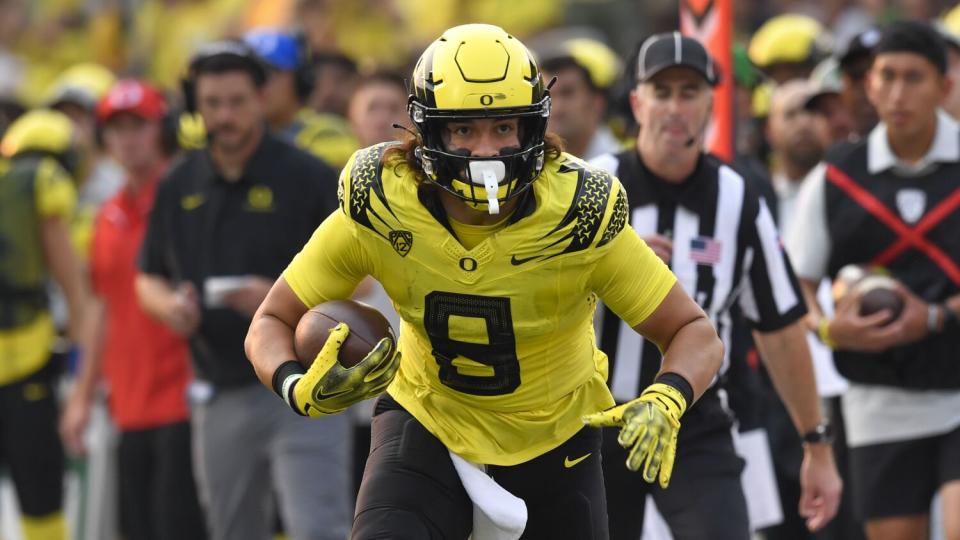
284, 379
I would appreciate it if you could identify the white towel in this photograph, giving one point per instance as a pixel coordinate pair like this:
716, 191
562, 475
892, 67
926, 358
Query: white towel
497, 513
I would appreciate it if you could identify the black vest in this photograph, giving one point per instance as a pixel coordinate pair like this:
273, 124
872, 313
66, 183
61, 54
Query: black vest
859, 237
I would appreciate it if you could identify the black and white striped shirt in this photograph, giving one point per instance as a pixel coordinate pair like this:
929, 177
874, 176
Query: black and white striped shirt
726, 251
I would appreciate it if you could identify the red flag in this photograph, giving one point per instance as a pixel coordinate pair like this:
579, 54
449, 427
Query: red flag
711, 23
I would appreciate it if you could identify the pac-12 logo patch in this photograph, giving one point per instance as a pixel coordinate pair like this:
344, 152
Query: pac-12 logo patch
401, 241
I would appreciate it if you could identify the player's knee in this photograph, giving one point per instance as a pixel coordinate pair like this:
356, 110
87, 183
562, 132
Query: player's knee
391, 523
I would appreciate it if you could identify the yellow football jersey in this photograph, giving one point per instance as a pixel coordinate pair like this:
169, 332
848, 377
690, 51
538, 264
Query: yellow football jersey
499, 360
25, 346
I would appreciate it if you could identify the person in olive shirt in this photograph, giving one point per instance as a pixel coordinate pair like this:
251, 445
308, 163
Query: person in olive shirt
226, 221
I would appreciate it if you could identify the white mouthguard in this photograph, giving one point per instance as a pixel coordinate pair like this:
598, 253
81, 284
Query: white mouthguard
490, 173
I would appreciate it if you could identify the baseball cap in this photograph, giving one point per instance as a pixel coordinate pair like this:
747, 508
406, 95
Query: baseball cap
671, 49
134, 97
278, 50
859, 46
824, 80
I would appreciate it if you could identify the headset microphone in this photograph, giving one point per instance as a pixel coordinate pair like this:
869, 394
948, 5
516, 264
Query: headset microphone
693, 138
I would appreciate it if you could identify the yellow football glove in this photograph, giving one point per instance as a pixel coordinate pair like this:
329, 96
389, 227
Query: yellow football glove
650, 425
328, 387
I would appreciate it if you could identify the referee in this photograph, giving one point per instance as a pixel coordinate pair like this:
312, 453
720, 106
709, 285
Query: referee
720, 240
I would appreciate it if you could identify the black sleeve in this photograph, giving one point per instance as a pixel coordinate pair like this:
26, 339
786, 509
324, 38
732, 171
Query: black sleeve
772, 298
157, 253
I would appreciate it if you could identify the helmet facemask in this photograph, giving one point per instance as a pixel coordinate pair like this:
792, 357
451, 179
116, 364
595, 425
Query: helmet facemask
484, 183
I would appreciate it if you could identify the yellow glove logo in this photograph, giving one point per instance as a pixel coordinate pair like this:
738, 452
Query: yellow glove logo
649, 424
328, 387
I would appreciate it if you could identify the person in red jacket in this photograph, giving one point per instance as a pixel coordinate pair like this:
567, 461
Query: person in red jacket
144, 365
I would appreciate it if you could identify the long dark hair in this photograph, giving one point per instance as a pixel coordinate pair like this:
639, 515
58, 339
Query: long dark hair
403, 154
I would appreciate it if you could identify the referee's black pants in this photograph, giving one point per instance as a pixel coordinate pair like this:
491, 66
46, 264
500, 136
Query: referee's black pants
411, 491
704, 500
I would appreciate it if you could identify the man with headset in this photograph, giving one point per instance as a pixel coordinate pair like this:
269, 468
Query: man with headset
290, 81
719, 238
225, 222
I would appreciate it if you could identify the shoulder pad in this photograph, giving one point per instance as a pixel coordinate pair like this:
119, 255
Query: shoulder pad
365, 185
588, 207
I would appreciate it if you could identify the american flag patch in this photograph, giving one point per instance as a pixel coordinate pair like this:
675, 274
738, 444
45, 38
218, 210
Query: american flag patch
704, 250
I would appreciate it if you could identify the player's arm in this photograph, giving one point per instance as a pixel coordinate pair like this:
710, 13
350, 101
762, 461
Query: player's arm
329, 267
691, 348
269, 342
642, 291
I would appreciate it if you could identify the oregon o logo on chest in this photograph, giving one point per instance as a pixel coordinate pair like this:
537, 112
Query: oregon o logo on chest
467, 264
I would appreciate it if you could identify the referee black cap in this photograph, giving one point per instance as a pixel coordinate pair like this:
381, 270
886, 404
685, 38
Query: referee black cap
917, 37
671, 49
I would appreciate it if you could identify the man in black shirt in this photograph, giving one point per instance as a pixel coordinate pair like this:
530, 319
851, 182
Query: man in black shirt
719, 238
225, 222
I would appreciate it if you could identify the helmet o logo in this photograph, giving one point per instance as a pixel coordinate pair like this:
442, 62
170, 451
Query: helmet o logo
467, 264
486, 100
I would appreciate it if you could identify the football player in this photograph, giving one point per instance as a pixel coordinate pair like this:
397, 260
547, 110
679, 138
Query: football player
494, 245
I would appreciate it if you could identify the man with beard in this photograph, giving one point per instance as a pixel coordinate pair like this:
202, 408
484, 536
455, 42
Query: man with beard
225, 222
794, 143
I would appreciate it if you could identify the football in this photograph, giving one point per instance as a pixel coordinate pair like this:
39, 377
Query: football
879, 293
367, 327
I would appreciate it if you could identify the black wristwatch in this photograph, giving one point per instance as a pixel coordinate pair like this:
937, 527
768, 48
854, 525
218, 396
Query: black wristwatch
823, 433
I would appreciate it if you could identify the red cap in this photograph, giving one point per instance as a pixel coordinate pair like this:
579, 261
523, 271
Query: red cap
132, 96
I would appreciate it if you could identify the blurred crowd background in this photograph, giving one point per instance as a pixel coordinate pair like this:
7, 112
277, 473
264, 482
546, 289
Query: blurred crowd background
67, 54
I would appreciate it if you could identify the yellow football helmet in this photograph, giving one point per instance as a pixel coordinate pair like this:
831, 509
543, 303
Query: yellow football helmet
479, 71
42, 131
789, 38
